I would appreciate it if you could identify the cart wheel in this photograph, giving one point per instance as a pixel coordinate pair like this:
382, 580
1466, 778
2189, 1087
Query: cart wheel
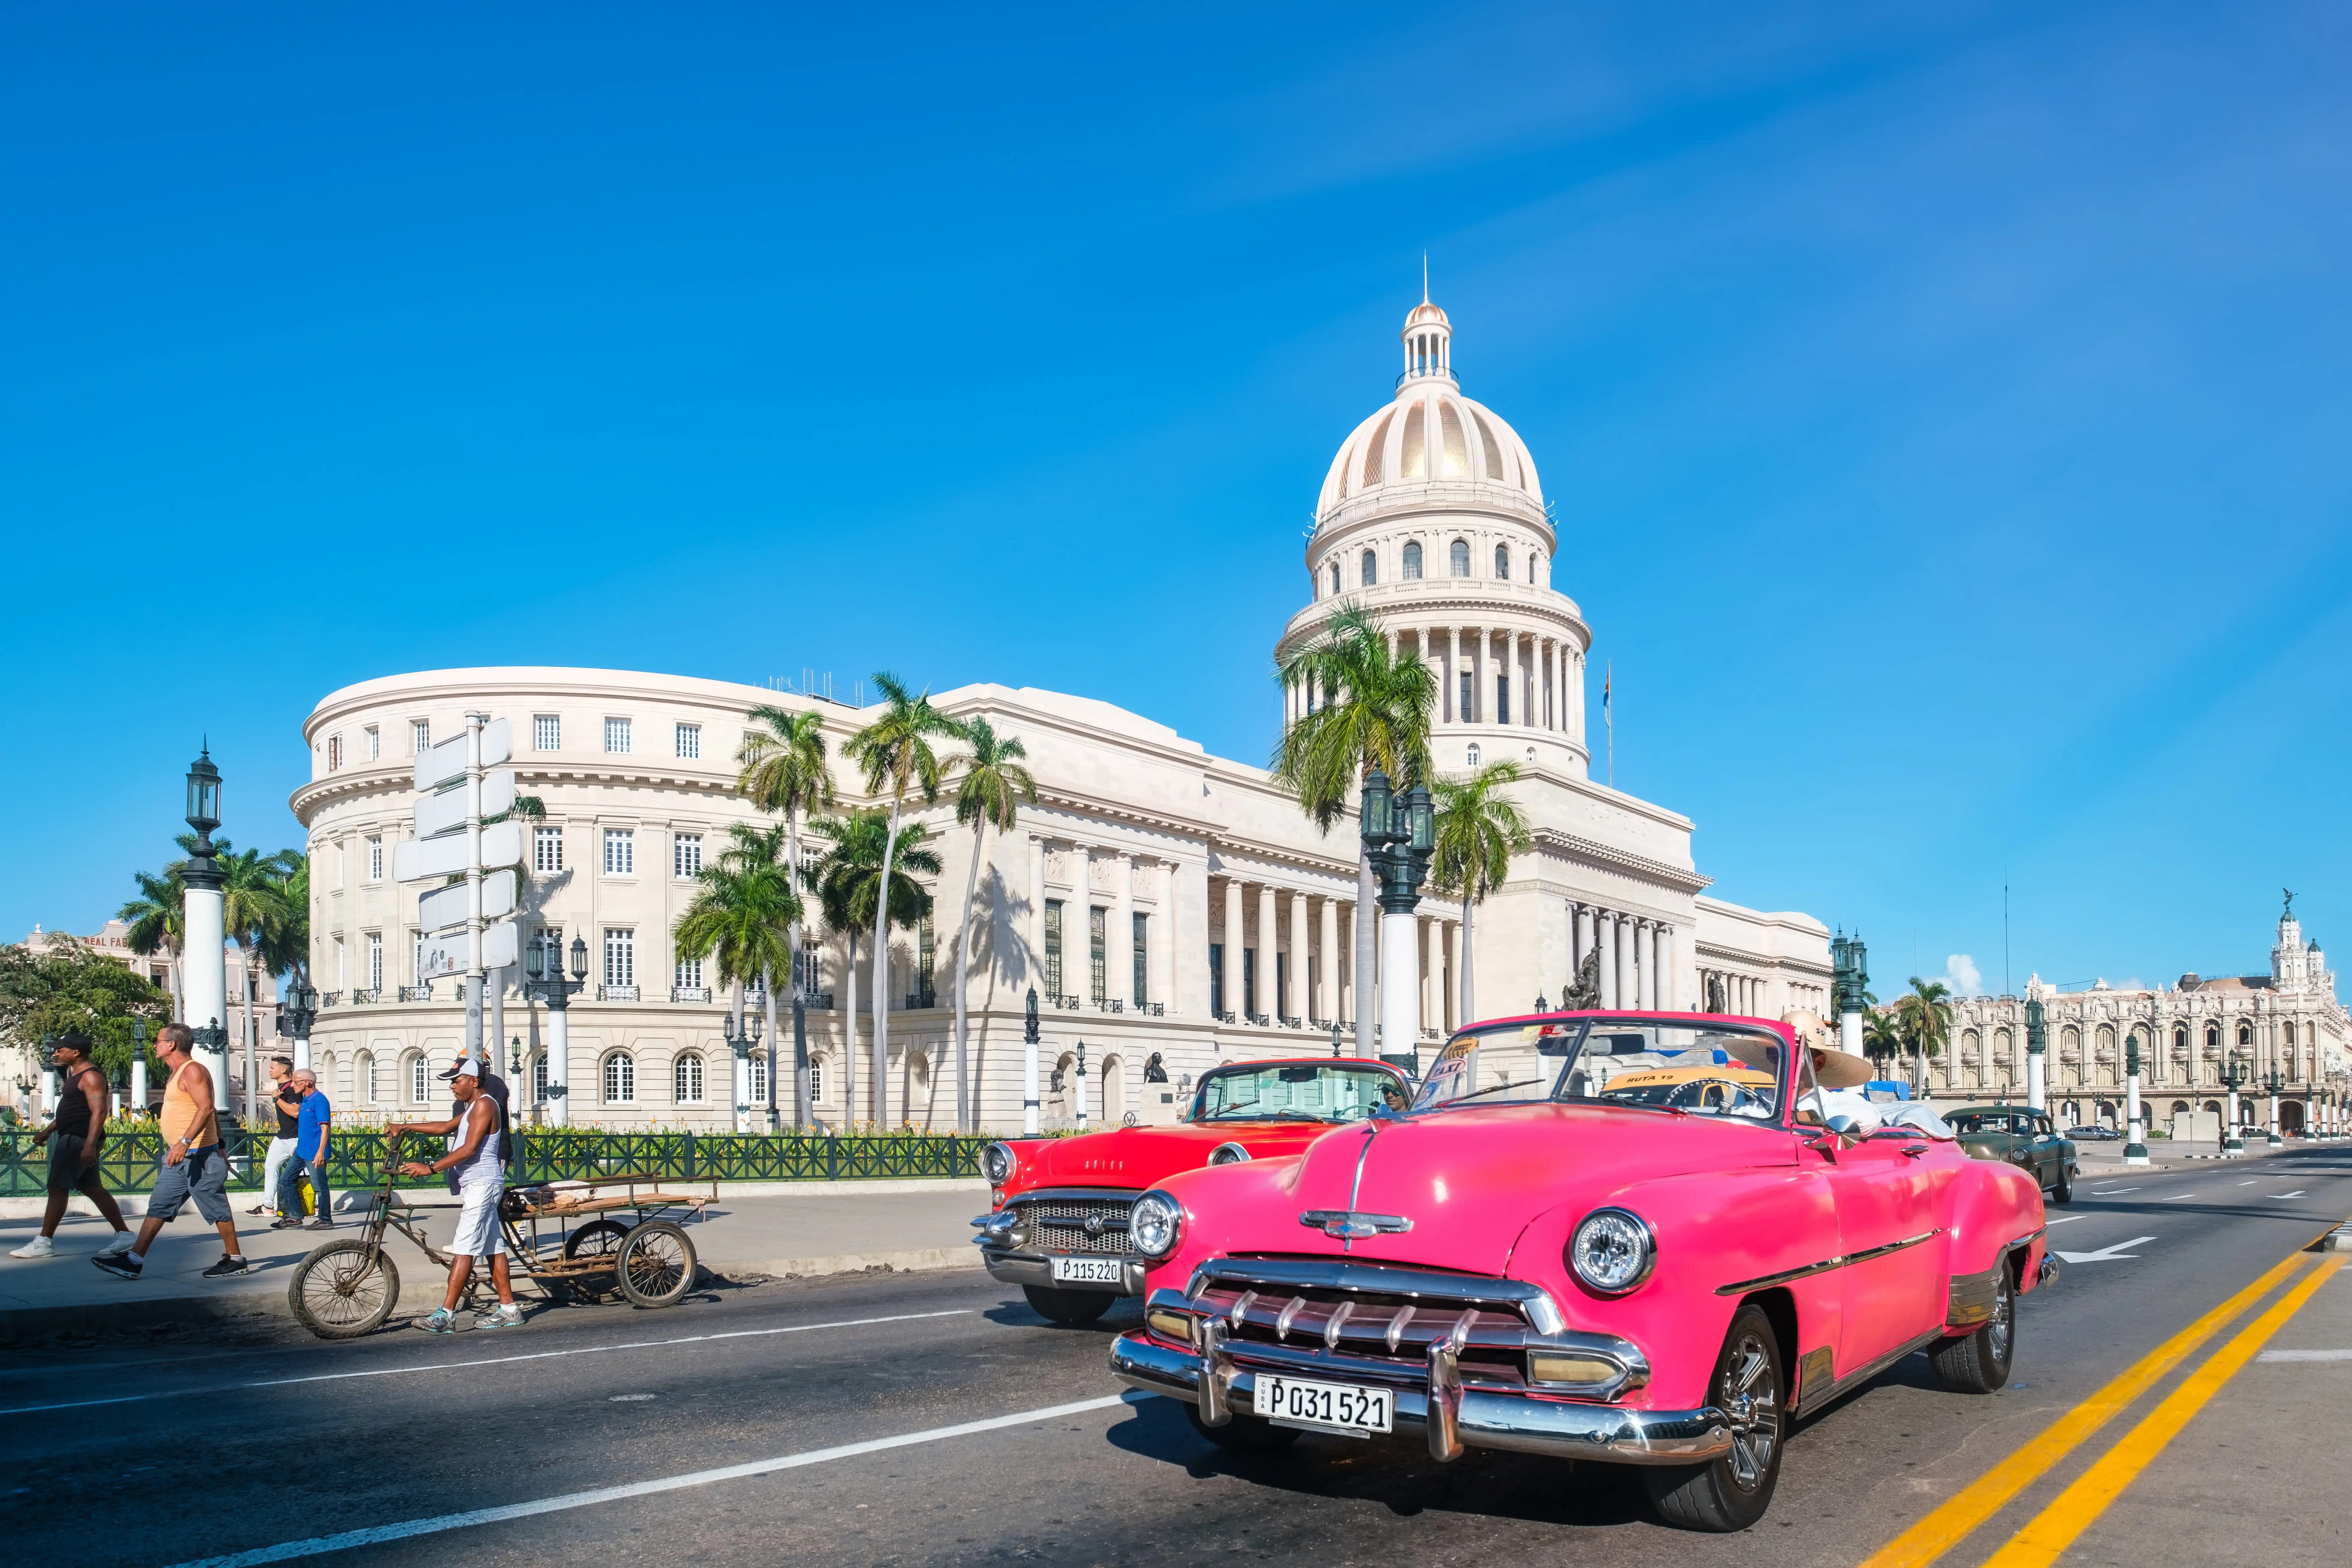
656, 1263
599, 1239
338, 1294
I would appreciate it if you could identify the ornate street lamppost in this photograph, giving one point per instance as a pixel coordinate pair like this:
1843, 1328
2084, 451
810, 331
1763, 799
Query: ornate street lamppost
1398, 834
2275, 1139
2135, 1135
800, 1067
2037, 1043
1848, 964
741, 1045
1082, 1085
298, 1009
543, 968
1029, 1067
1335, 1038
204, 988
2231, 1143
137, 1066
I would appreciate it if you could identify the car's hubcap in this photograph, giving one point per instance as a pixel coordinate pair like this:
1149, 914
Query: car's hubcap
1751, 1398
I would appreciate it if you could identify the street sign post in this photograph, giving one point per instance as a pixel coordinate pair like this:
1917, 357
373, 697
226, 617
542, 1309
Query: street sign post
422, 859
451, 952
447, 811
446, 763
447, 906
451, 838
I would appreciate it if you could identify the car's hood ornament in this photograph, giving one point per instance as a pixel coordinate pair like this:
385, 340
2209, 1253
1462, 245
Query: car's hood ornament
1353, 1225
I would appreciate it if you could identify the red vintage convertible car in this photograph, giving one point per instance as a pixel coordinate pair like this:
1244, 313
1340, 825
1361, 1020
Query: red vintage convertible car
1552, 1253
1059, 1226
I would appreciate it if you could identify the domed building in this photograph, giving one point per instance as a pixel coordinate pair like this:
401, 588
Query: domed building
1170, 908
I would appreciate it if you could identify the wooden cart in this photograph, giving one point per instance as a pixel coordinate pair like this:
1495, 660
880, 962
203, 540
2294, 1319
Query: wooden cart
612, 1240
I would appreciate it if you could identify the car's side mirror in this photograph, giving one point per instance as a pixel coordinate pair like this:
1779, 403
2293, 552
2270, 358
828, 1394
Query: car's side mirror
1843, 1131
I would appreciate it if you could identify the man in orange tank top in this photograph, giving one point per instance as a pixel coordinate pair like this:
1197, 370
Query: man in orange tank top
195, 1165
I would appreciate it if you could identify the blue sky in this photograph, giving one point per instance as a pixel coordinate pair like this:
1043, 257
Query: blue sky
1945, 407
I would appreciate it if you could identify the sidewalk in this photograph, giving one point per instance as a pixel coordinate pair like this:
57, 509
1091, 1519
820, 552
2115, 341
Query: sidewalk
741, 1236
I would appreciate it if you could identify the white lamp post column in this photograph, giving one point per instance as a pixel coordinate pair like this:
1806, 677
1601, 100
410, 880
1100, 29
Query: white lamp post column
205, 981
2136, 1135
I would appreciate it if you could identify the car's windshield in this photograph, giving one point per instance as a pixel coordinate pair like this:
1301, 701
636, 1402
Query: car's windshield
1693, 1068
1300, 1092
1982, 1122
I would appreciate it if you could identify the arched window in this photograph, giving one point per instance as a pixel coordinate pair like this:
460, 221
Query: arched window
417, 1084
2213, 1038
539, 1079
685, 1080
1531, 565
1335, 578
2245, 1033
1413, 563
370, 1087
1460, 556
758, 1080
620, 1079
1369, 569
816, 1080
2288, 1031
1503, 562
1470, 758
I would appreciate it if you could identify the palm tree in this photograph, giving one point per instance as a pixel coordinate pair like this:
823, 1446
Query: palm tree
850, 877
895, 753
155, 919
988, 794
743, 913
1882, 1036
1375, 714
1477, 830
1925, 1015
781, 765
771, 850
284, 947
253, 913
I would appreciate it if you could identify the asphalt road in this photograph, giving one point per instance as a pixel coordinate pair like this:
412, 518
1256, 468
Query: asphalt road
203, 1450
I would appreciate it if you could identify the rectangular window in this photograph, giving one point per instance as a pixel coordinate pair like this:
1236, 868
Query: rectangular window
1281, 980
375, 742
420, 735
689, 973
620, 852
334, 753
616, 736
809, 972
375, 858
1502, 699
1141, 948
620, 955
1216, 977
690, 741
758, 1080
1467, 711
1249, 982
1098, 953
686, 854
816, 1080
547, 849
1052, 947
417, 958
547, 732
375, 961
926, 955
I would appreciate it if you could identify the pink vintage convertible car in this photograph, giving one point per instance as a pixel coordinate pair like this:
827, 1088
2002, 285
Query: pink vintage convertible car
1624, 1238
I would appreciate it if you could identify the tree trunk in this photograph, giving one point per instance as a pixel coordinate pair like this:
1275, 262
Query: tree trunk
775, 1041
252, 1101
881, 1073
1368, 924
1469, 1006
800, 988
849, 1035
967, 1114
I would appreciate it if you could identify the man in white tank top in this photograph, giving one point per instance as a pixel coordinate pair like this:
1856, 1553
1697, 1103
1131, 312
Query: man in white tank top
473, 1156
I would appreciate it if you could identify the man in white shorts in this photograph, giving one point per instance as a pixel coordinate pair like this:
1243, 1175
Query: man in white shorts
472, 1163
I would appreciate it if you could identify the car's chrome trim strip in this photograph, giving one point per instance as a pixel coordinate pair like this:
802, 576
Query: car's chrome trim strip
1345, 1274
1864, 1373
1082, 1194
1825, 1265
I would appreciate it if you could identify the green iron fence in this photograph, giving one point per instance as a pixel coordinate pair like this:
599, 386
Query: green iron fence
355, 1159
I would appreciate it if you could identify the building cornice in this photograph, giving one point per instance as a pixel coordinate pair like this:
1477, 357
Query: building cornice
1558, 846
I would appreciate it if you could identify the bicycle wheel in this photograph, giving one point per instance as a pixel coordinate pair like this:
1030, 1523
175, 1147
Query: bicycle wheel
339, 1294
599, 1241
656, 1263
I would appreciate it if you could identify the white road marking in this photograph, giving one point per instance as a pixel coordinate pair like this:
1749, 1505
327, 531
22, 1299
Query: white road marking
407, 1528
2063, 1219
492, 1361
2304, 1355
2250, 1181
2178, 1196
2293, 1195
2110, 1192
2114, 1253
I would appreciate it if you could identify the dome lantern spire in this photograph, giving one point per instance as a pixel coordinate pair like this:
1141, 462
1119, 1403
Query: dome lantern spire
1428, 339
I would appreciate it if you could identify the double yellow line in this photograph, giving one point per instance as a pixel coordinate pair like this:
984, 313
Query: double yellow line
2056, 1527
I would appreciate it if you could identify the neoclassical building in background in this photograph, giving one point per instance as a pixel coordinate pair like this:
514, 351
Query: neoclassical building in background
2192, 1036
1161, 900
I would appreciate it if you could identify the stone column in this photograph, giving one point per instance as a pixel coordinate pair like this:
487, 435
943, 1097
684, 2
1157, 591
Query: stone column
1038, 913
1077, 937
1269, 1002
1326, 978
1604, 931
1670, 983
1579, 939
1118, 947
1450, 1007
1231, 980
1164, 931
1343, 980
1576, 696
1294, 995
1433, 981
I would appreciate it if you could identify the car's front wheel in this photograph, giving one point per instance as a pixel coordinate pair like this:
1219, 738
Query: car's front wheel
1979, 1362
1073, 1308
1750, 1388
2064, 1192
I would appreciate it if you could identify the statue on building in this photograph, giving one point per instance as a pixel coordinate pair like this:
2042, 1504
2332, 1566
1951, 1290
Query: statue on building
1716, 1002
1584, 993
1154, 1069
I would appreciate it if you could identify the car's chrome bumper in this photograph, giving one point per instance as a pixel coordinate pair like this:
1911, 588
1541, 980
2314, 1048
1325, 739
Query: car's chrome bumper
1469, 1417
1038, 1268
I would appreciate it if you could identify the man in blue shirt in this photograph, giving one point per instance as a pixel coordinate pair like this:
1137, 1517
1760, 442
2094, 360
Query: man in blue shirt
311, 1138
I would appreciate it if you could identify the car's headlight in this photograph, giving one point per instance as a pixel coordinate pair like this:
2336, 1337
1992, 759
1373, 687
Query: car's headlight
1613, 1251
996, 1162
1154, 1224
1228, 1154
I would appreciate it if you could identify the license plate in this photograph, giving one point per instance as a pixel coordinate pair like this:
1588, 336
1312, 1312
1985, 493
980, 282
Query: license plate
1089, 1271
1348, 1407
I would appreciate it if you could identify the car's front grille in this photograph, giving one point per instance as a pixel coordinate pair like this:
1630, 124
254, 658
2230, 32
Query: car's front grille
1395, 1327
1059, 1225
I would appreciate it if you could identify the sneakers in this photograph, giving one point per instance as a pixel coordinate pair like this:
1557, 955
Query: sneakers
442, 1321
125, 1266
509, 1316
284, 1224
227, 1268
118, 1246
320, 1224
261, 1208
39, 1247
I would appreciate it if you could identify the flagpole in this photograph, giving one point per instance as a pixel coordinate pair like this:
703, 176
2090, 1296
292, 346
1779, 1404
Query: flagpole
1609, 719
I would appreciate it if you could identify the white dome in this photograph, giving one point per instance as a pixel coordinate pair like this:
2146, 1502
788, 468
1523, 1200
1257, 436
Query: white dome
1430, 434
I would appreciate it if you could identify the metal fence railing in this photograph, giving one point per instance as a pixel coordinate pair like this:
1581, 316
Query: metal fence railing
355, 1159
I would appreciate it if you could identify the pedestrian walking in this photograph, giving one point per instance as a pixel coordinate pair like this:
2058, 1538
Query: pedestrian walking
312, 1132
195, 1165
472, 1165
75, 1138
287, 1105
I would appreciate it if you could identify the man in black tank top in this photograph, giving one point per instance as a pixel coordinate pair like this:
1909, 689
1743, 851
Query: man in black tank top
74, 1139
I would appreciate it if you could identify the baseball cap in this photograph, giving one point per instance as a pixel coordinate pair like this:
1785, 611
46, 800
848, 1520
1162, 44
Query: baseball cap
463, 1067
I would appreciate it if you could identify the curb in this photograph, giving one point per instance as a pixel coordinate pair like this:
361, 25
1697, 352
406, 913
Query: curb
135, 1204
921, 1260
